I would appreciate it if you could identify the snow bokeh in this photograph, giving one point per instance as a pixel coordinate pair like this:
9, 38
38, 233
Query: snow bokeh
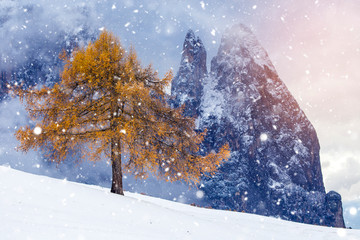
37, 130
263, 137
353, 211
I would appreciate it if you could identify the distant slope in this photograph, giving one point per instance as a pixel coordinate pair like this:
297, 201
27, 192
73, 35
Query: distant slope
37, 207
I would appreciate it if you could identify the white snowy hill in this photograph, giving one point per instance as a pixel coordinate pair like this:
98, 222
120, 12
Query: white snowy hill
38, 207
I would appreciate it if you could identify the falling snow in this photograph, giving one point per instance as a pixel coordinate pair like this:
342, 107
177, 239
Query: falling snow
37, 130
199, 194
202, 5
263, 137
323, 53
353, 211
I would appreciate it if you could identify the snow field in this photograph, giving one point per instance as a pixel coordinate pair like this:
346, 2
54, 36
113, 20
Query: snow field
38, 207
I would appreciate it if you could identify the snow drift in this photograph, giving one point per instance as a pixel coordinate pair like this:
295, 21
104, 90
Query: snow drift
38, 207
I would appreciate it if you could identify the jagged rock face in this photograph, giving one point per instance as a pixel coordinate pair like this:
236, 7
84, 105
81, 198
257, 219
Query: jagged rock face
333, 206
274, 168
186, 85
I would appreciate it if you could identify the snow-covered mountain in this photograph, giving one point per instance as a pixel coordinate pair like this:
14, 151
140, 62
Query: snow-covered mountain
274, 168
34, 36
38, 207
187, 85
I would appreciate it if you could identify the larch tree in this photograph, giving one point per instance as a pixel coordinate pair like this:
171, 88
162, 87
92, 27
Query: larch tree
107, 105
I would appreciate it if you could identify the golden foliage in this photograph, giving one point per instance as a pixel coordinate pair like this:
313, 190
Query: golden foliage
106, 99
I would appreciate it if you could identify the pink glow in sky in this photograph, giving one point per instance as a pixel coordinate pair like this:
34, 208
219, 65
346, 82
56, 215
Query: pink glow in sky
317, 55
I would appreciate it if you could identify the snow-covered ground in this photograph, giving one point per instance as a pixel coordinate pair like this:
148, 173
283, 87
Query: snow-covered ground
39, 207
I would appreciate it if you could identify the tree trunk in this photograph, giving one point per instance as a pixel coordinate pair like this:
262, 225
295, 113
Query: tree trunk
117, 185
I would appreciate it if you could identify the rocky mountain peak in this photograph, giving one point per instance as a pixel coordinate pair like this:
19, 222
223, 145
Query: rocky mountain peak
274, 168
240, 46
241, 36
186, 85
190, 46
194, 53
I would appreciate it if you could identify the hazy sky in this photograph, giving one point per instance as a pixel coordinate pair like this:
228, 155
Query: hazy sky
314, 45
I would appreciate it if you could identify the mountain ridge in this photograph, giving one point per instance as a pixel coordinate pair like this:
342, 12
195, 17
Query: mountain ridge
274, 168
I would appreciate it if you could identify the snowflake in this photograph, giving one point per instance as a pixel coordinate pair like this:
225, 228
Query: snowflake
37, 130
